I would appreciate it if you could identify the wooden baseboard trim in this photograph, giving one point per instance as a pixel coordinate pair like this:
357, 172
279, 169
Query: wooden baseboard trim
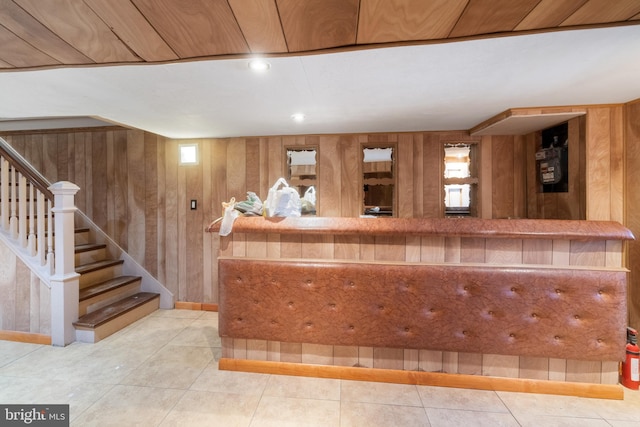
25, 337
478, 382
184, 305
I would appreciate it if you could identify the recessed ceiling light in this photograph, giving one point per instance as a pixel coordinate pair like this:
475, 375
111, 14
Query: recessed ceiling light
259, 65
298, 117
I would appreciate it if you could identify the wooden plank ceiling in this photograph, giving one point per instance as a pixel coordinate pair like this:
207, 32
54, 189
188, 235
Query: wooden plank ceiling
54, 33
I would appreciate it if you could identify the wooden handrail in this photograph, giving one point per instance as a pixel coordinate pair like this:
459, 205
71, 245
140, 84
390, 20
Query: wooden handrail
16, 161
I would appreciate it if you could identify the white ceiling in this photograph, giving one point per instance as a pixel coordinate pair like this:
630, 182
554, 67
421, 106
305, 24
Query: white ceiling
449, 86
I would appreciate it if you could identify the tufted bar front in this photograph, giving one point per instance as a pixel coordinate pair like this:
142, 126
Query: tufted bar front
473, 300
543, 312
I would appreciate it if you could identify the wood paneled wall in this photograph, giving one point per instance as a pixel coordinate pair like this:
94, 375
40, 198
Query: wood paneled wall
133, 187
632, 205
25, 303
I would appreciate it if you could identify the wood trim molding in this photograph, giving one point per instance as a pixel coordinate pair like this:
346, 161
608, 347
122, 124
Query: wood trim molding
477, 382
25, 337
185, 305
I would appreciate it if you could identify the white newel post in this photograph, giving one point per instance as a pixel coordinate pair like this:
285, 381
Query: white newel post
65, 281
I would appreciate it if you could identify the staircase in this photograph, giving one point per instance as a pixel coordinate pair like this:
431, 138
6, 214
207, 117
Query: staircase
108, 299
111, 289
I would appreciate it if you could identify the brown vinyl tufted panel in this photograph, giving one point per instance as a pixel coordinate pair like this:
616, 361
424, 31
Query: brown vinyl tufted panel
546, 312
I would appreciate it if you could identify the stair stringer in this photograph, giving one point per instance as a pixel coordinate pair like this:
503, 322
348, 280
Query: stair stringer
131, 266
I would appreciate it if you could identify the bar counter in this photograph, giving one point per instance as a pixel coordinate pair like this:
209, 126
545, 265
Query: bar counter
428, 300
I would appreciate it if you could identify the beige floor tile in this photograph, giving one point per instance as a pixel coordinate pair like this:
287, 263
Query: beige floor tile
530, 404
303, 387
155, 331
46, 362
356, 414
455, 398
178, 313
620, 410
129, 406
555, 421
171, 367
10, 351
439, 417
213, 380
383, 393
200, 333
615, 423
201, 408
289, 412
108, 365
78, 395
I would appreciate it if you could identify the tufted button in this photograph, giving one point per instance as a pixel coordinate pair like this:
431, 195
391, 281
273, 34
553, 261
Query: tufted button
599, 340
558, 291
332, 305
290, 304
406, 329
514, 289
576, 317
239, 319
351, 327
381, 307
309, 324
534, 315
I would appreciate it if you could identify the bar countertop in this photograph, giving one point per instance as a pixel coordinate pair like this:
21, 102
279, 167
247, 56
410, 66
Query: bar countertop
461, 227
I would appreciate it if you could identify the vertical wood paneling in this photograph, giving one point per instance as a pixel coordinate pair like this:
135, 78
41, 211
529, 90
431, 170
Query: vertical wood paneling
171, 218
150, 189
632, 206
616, 165
598, 174
486, 178
101, 167
135, 187
79, 161
432, 188
120, 189
503, 187
7, 287
193, 232
62, 156
350, 190
418, 175
330, 181
405, 176
161, 203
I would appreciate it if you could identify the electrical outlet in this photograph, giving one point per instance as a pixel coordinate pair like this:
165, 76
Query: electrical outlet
194, 205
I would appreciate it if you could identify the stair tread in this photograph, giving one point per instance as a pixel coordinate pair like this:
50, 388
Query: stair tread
86, 247
106, 286
97, 265
111, 311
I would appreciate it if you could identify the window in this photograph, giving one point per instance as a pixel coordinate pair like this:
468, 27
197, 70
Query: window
302, 174
460, 180
378, 180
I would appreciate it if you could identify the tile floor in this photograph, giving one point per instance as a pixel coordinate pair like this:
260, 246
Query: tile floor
163, 371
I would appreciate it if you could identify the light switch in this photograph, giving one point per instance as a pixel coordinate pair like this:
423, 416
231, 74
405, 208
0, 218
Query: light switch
194, 205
